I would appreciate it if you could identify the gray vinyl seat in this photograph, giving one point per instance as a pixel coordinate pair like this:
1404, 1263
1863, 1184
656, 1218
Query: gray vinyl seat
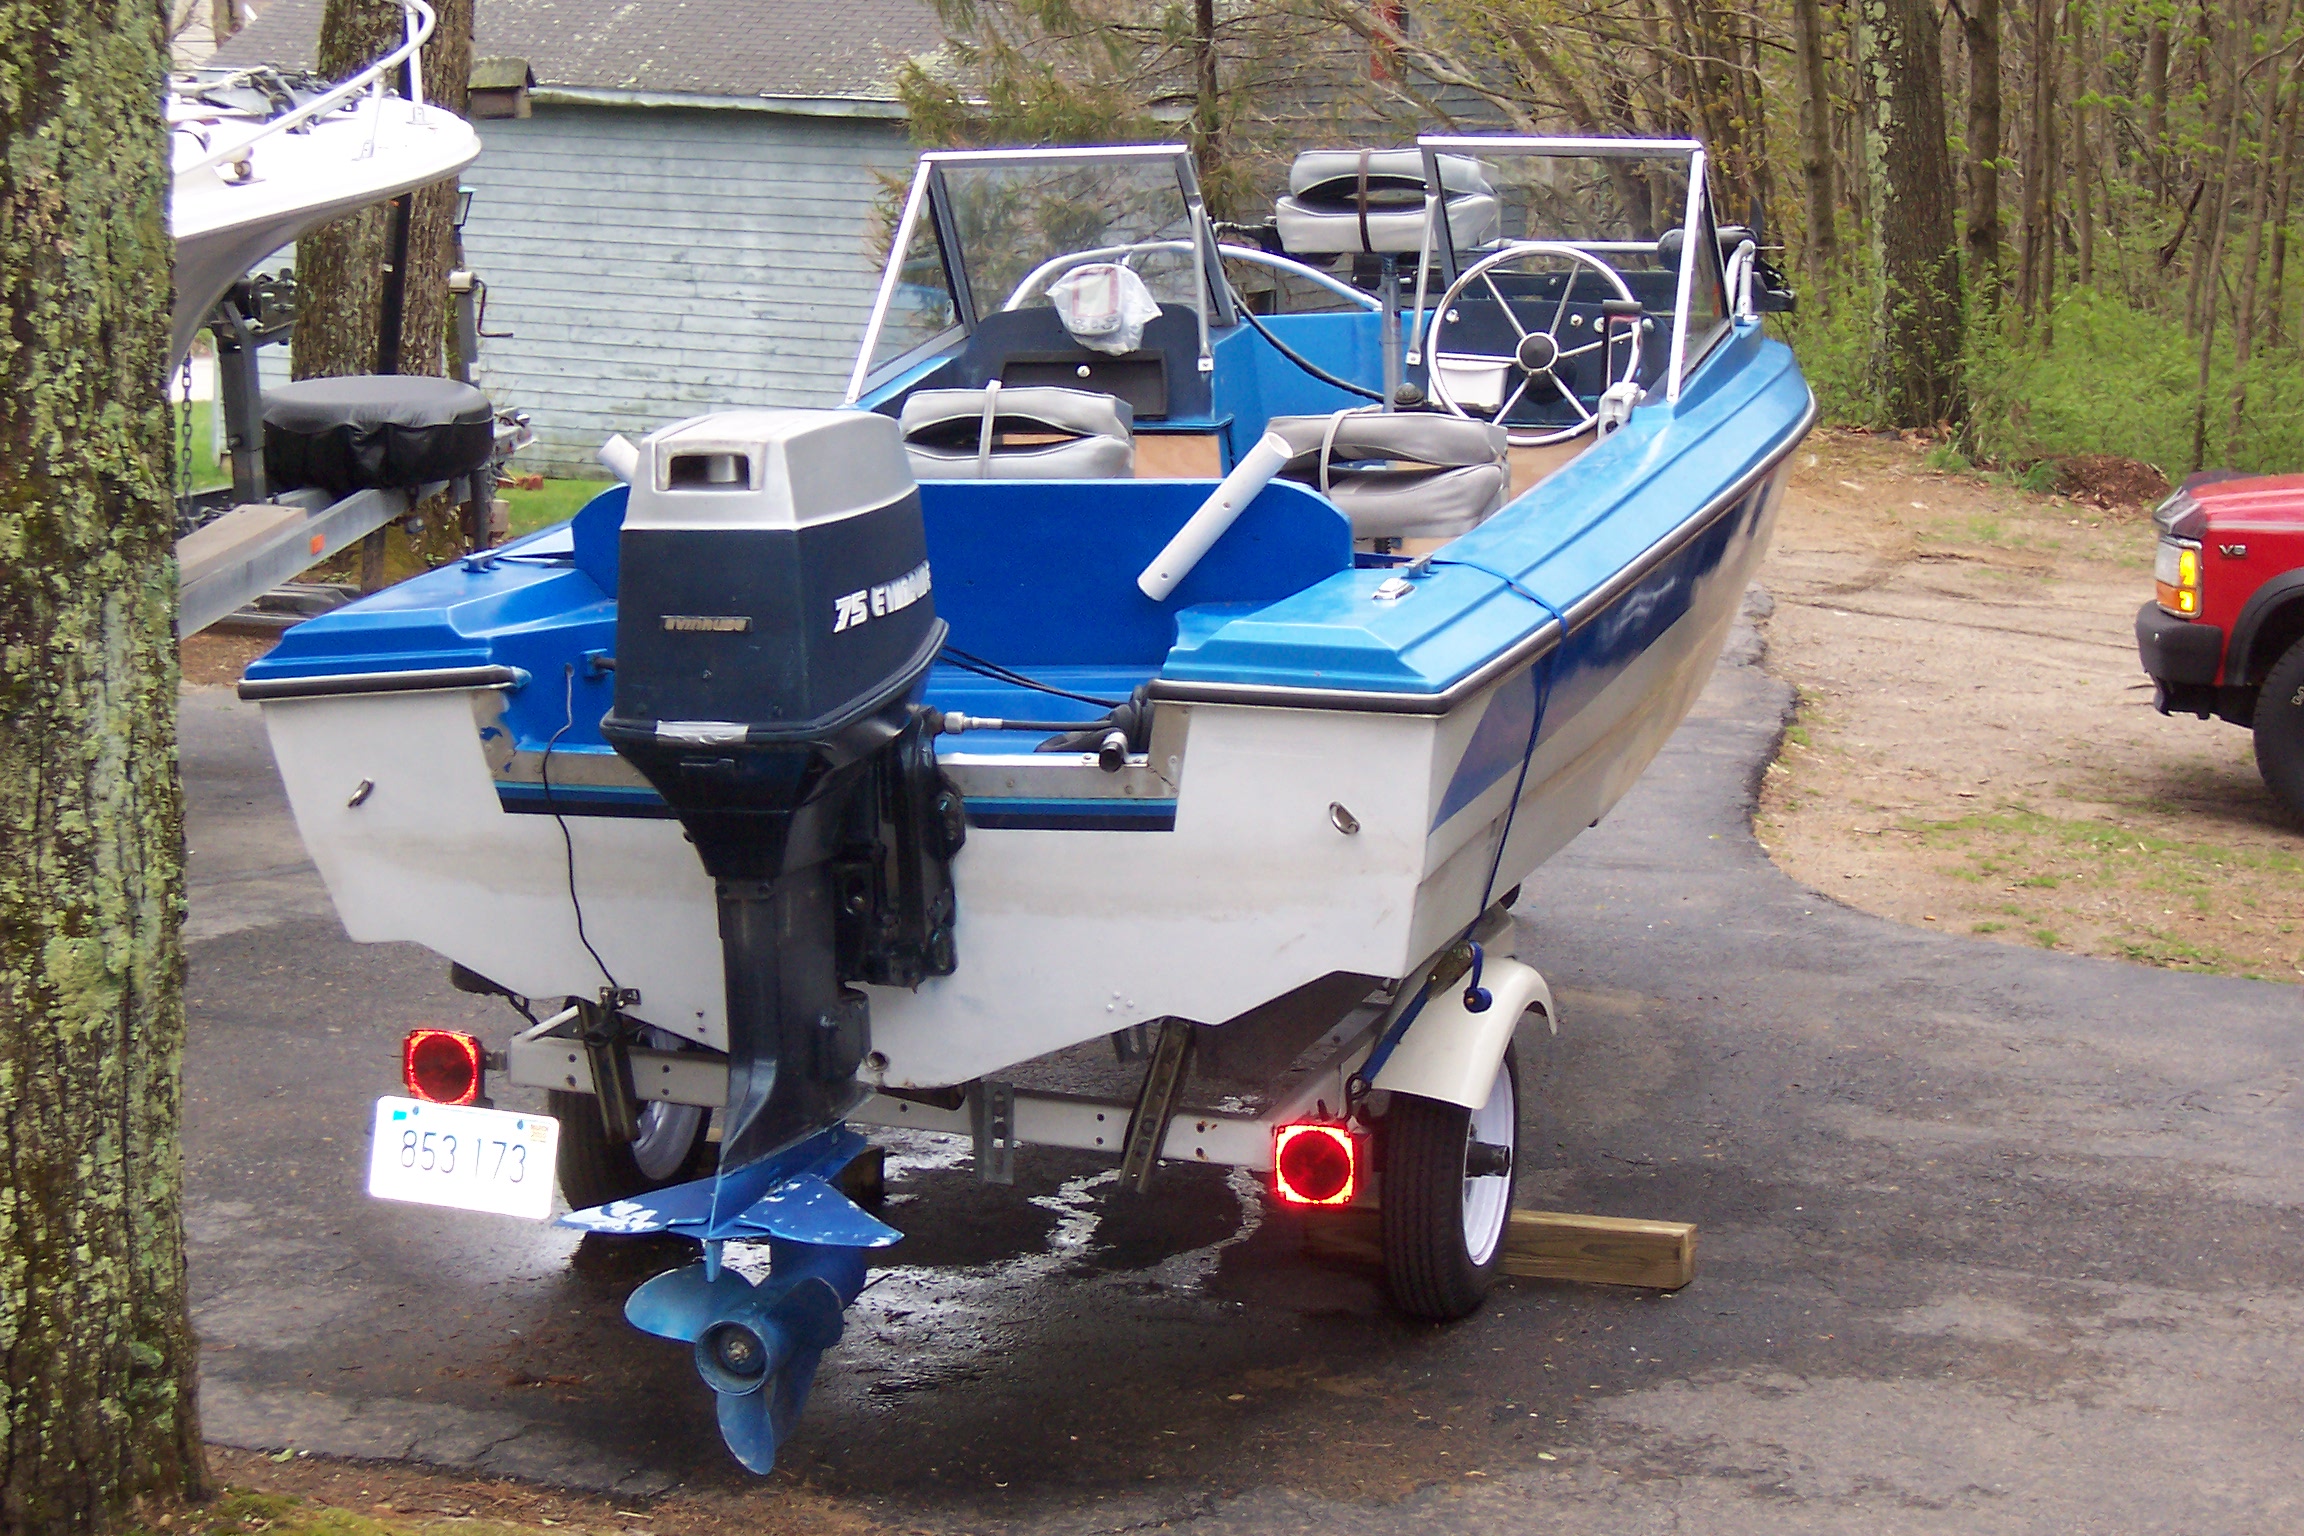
1355, 200
1035, 433
1401, 475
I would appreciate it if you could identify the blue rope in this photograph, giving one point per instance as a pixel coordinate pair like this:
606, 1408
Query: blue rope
1383, 1051
1543, 700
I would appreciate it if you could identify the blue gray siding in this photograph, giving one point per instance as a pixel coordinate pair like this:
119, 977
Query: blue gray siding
653, 263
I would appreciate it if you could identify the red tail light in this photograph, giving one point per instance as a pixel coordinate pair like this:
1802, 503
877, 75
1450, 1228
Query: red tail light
1316, 1164
441, 1066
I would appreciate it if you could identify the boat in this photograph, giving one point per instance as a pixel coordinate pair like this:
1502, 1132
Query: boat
260, 158
1189, 636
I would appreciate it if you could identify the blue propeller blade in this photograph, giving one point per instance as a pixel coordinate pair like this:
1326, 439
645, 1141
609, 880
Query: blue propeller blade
682, 1303
748, 1424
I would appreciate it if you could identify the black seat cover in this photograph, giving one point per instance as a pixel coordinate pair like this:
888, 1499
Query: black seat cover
375, 431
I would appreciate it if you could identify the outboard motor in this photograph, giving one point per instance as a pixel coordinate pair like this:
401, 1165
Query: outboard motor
773, 637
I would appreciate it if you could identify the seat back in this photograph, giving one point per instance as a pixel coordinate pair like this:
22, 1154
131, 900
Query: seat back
1372, 200
1018, 434
1400, 475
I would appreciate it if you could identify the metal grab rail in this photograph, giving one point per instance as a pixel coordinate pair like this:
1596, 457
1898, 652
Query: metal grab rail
1250, 254
421, 22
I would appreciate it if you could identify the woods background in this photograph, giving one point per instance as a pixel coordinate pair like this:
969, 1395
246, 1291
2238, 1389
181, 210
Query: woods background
2057, 227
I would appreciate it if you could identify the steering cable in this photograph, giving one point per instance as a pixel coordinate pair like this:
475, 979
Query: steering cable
1290, 353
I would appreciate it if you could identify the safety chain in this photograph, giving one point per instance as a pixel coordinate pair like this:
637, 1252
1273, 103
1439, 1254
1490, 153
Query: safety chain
184, 446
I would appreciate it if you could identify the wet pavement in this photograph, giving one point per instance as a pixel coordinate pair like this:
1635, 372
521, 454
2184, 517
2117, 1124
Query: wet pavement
1992, 1240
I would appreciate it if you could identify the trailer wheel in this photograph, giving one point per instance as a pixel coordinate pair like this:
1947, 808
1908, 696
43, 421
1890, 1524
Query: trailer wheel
670, 1149
2279, 727
1444, 1224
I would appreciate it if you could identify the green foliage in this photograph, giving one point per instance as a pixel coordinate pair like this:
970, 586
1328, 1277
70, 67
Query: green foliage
1832, 335
2115, 379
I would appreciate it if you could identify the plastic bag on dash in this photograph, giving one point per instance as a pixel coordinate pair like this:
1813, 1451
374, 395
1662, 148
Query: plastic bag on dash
1104, 306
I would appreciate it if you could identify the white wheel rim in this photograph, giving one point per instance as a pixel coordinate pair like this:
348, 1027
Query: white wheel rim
1488, 1199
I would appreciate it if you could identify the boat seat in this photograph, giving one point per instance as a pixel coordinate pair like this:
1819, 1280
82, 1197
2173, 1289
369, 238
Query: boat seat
1372, 200
1401, 474
1033, 433
375, 432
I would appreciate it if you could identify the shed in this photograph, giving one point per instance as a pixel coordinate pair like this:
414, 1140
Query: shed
677, 208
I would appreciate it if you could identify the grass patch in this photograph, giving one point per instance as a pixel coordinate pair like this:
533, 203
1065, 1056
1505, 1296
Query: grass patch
2116, 887
558, 501
240, 1512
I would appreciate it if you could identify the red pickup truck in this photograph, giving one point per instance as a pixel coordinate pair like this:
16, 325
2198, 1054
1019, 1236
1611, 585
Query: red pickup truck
2224, 633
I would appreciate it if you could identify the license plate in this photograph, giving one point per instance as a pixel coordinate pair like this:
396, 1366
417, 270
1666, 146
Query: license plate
471, 1159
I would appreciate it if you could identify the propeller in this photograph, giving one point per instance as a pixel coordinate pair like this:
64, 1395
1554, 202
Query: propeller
756, 1346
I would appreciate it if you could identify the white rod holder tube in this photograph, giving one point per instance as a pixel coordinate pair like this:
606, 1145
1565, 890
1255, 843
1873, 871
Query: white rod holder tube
1223, 506
621, 457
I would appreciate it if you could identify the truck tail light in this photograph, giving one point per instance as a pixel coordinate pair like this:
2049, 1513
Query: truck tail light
2176, 577
442, 1066
1315, 1163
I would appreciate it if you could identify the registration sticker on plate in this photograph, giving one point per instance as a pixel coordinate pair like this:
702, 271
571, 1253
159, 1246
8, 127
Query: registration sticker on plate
455, 1155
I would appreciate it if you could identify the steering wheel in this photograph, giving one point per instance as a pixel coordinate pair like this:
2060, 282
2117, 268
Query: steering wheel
1534, 359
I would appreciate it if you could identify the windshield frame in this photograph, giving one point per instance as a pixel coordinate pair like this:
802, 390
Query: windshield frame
930, 198
1440, 246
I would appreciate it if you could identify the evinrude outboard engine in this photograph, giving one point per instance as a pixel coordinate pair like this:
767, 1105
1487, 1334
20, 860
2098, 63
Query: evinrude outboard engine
773, 636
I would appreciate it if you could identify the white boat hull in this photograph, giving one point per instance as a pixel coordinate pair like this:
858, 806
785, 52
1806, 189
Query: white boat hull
1063, 935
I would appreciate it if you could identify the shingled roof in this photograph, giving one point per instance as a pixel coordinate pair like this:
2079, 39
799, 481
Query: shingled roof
795, 49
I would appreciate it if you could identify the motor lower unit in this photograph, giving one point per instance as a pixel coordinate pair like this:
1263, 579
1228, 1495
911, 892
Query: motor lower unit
774, 632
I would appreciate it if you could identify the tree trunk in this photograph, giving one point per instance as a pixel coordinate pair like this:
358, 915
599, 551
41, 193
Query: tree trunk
2207, 244
2252, 254
97, 1357
1822, 252
1920, 331
2211, 242
1208, 109
1980, 27
2083, 174
340, 267
2156, 105
2275, 300
2034, 255
2052, 167
226, 18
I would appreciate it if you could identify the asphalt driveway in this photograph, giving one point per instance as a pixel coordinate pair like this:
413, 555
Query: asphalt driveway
1992, 1240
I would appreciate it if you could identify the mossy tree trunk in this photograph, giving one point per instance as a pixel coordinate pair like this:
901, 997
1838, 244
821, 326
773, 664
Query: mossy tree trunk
96, 1351
1921, 323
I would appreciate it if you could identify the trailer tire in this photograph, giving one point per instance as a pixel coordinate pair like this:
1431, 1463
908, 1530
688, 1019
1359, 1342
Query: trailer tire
2279, 728
1444, 1233
672, 1147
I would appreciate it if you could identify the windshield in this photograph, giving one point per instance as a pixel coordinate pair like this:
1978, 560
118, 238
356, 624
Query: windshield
1010, 220
1588, 197
1629, 207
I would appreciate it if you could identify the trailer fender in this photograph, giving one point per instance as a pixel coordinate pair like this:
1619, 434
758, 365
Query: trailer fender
1451, 1053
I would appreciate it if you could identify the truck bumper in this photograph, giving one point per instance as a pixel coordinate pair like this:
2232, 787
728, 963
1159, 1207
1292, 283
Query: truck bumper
2181, 656
2183, 652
